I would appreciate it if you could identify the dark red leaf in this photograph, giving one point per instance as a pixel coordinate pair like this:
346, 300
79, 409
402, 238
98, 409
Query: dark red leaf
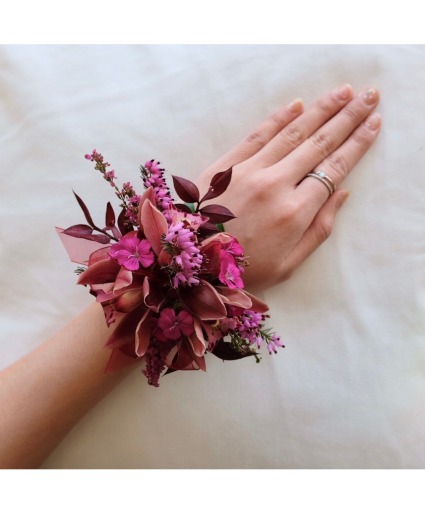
207, 229
223, 351
185, 189
169, 371
183, 207
218, 184
122, 223
100, 238
85, 210
84, 231
217, 214
78, 231
109, 216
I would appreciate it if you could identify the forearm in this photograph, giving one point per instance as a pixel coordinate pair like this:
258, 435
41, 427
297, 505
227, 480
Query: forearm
43, 395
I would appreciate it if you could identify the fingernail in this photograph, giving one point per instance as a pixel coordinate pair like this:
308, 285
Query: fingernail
371, 96
343, 196
345, 92
373, 121
296, 106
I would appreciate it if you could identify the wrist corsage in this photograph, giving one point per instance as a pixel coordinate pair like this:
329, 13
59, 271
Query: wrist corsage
169, 274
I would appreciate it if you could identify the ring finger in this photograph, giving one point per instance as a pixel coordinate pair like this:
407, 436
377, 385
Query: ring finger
338, 164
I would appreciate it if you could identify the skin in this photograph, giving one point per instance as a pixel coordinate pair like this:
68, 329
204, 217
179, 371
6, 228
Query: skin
43, 395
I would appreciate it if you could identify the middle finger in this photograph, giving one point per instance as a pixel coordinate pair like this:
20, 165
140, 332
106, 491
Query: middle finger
328, 138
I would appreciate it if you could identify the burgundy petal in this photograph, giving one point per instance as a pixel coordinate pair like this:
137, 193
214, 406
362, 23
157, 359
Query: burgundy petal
129, 300
172, 355
143, 334
148, 194
211, 265
257, 304
124, 334
197, 340
203, 301
235, 297
119, 360
104, 271
99, 255
124, 279
152, 294
154, 225
182, 360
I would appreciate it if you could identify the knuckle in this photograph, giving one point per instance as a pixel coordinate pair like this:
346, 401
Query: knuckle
325, 107
256, 139
361, 138
352, 113
278, 119
293, 135
338, 164
322, 141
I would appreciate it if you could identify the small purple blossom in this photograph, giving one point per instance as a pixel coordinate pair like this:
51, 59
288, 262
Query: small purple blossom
187, 258
274, 344
153, 176
131, 252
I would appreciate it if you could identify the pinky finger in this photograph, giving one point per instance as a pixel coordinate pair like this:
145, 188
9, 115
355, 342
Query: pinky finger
319, 231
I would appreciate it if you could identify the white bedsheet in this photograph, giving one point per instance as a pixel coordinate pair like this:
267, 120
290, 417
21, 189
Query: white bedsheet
349, 389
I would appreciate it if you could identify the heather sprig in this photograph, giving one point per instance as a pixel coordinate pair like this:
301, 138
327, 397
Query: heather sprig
127, 194
153, 175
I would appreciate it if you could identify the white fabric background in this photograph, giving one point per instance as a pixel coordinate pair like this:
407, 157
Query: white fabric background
348, 391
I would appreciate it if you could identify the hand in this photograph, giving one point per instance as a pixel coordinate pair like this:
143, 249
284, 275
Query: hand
282, 216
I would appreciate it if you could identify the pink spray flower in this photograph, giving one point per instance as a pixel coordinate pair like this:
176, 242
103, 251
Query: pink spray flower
131, 252
174, 326
230, 274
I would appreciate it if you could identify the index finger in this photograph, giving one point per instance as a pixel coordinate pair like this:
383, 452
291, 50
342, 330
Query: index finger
258, 138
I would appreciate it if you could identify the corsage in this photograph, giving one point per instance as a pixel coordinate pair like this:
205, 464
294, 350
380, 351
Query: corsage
169, 275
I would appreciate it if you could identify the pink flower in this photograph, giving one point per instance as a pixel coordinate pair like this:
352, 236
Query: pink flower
174, 326
131, 252
229, 272
234, 247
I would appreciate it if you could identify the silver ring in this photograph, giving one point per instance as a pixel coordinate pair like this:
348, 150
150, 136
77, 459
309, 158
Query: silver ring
324, 179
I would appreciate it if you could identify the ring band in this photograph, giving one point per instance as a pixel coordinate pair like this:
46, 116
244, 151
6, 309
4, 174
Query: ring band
324, 179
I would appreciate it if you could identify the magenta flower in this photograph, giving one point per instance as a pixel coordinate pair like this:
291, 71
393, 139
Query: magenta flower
230, 274
131, 252
234, 247
174, 326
